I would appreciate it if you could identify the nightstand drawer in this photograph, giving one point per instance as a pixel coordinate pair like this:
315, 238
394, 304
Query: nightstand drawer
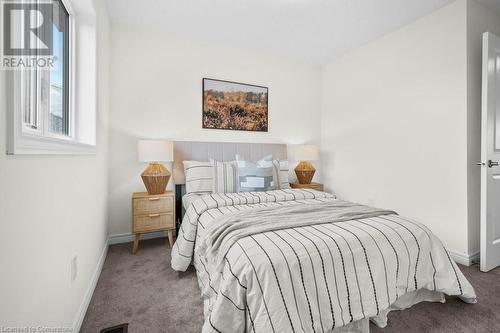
153, 205
153, 222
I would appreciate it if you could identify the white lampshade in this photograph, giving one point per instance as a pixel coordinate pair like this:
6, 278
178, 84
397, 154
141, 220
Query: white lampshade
155, 150
303, 152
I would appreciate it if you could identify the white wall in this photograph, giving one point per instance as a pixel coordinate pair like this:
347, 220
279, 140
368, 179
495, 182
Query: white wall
479, 20
156, 92
394, 124
51, 209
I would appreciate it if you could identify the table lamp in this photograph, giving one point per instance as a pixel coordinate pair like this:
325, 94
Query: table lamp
156, 175
304, 154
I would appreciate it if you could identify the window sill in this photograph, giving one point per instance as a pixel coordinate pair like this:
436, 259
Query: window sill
36, 145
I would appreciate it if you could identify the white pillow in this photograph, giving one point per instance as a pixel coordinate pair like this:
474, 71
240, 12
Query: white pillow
198, 176
281, 174
256, 176
224, 176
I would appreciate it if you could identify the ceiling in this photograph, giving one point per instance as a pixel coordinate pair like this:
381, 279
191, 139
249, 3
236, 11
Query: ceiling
314, 31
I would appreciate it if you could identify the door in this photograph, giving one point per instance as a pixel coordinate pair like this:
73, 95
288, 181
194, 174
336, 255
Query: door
490, 154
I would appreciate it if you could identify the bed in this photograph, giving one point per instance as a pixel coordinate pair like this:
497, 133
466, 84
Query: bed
299, 260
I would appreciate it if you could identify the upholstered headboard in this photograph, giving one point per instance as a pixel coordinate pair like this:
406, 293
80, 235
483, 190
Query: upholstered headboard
222, 151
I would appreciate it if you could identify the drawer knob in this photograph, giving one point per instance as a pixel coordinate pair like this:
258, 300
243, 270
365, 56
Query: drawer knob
154, 215
154, 199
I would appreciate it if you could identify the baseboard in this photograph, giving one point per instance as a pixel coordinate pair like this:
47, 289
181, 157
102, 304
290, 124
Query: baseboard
464, 259
113, 239
475, 258
128, 237
77, 323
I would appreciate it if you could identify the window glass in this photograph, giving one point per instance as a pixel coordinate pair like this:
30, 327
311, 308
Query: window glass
59, 74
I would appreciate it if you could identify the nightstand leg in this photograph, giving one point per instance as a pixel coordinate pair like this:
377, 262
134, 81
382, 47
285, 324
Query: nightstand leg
170, 237
136, 243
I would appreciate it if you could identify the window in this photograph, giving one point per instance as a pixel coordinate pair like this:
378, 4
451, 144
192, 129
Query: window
46, 104
59, 115
44, 117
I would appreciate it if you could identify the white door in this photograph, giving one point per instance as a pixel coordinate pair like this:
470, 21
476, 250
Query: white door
490, 154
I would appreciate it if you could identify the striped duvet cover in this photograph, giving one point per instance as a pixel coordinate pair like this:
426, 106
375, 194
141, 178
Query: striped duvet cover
302, 261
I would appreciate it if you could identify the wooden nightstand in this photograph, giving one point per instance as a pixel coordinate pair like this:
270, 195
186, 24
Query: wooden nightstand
153, 213
312, 186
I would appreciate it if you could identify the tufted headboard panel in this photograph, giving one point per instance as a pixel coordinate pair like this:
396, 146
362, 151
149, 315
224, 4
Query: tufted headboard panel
222, 151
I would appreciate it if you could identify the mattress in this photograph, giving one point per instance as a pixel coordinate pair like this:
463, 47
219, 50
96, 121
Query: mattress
300, 260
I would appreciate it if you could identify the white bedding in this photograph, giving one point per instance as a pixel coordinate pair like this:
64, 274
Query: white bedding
188, 198
299, 260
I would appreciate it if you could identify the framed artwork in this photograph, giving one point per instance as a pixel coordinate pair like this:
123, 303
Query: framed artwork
234, 106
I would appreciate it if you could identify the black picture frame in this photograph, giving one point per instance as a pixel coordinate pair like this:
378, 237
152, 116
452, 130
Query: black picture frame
253, 122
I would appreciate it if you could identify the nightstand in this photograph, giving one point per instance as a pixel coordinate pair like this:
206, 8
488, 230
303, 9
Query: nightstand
312, 186
152, 213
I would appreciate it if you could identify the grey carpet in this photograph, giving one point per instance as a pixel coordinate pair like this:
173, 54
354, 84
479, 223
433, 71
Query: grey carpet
144, 291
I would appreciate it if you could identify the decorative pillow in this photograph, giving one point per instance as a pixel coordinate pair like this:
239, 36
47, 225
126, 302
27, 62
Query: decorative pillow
225, 176
198, 176
255, 176
281, 174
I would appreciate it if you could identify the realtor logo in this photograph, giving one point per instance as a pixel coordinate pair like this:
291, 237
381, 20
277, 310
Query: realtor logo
27, 28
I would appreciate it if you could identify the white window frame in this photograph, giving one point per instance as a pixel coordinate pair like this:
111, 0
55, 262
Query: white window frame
82, 129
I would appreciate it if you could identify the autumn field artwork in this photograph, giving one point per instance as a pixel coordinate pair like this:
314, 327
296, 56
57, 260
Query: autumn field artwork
234, 106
